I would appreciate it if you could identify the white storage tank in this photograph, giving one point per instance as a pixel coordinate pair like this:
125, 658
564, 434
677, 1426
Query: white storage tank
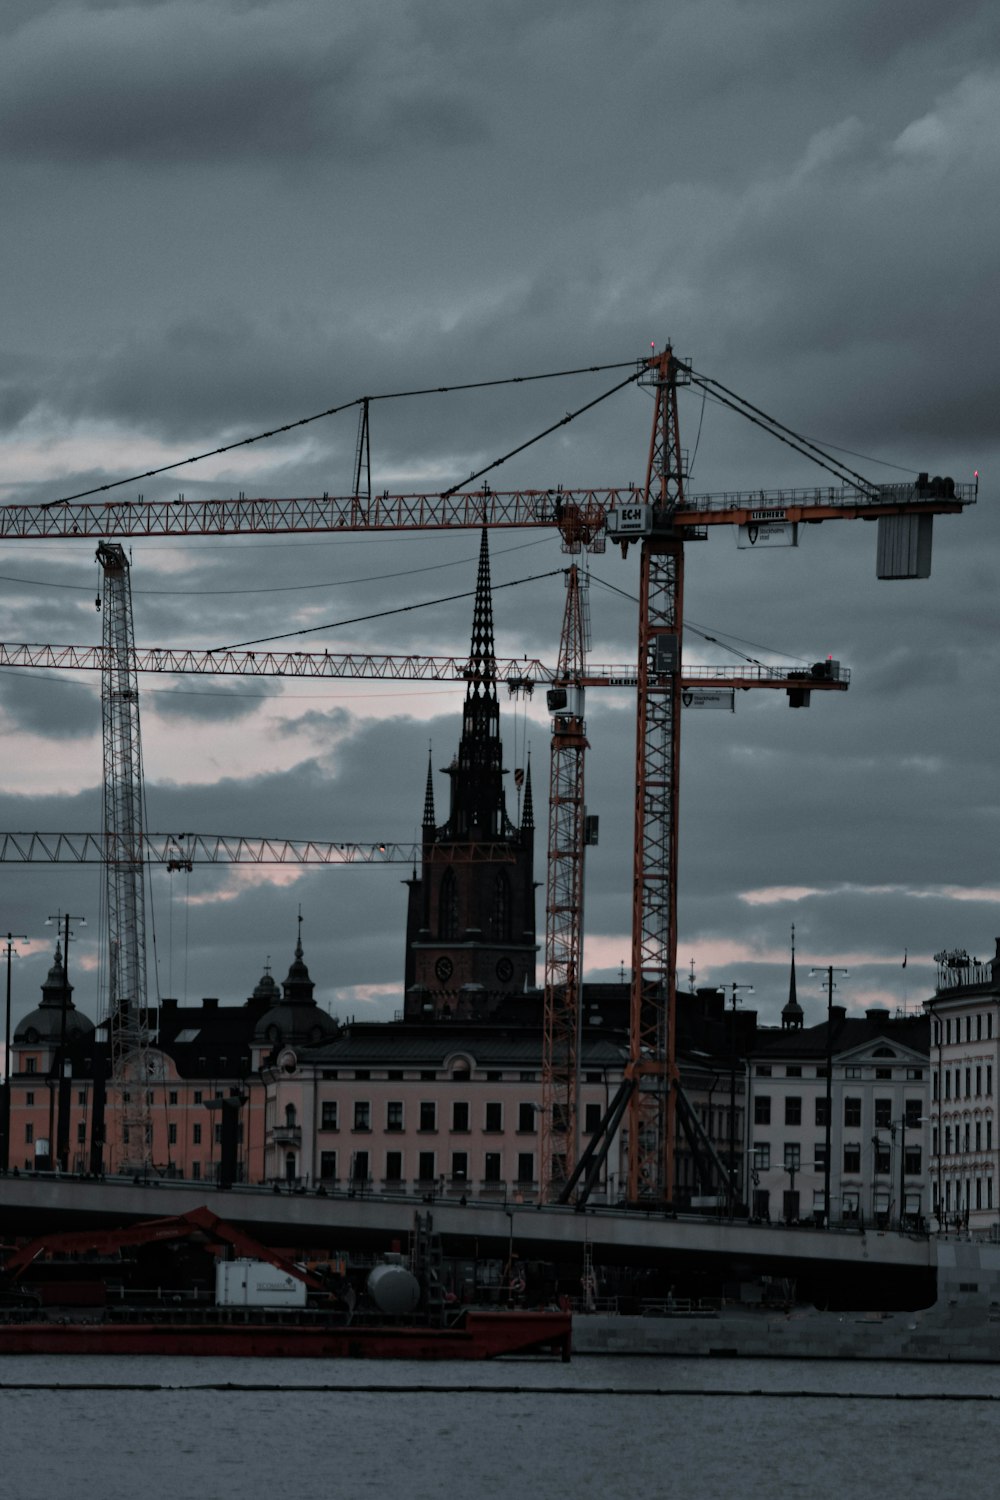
393, 1289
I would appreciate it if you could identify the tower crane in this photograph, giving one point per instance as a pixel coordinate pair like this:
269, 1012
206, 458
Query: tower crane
660, 518
124, 868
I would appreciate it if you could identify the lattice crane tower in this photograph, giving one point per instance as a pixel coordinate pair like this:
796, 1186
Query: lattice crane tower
124, 868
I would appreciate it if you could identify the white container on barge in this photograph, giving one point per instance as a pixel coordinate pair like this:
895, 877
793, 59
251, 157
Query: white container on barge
255, 1283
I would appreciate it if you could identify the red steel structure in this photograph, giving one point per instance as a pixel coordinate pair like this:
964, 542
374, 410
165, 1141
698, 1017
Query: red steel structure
583, 516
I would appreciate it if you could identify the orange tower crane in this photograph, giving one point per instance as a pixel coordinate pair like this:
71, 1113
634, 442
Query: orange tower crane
660, 517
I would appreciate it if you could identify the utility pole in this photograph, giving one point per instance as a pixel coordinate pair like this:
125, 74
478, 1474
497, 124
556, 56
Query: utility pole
829, 971
61, 1154
10, 940
735, 988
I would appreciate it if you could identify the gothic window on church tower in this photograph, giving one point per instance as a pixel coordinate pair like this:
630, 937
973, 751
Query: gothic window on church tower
501, 908
448, 906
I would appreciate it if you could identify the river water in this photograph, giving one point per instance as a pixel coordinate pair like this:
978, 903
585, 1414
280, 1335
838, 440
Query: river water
215, 1429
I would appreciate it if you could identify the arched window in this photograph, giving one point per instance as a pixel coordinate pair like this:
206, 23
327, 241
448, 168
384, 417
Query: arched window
448, 906
501, 908
290, 1115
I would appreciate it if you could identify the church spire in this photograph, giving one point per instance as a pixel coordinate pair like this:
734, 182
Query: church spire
429, 818
482, 668
792, 1014
528, 815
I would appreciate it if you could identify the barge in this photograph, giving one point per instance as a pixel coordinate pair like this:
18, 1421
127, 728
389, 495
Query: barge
76, 1294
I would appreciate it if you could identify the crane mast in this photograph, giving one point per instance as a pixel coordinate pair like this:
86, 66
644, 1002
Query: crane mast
123, 865
652, 1065
559, 1126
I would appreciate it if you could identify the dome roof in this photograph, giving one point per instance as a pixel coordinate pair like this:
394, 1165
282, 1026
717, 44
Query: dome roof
295, 1017
45, 1023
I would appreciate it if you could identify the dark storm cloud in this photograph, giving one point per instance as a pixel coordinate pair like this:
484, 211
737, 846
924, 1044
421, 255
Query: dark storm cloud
184, 83
32, 704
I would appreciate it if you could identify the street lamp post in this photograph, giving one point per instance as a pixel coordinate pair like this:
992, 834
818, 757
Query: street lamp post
829, 971
735, 988
11, 939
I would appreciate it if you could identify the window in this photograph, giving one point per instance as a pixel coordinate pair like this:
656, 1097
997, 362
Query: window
394, 1116
428, 1115
989, 1071
362, 1115
428, 1075
762, 1109
935, 1091
81, 1097
852, 1158
328, 1115
852, 1071
793, 1071
359, 1167
852, 1112
913, 1074
362, 1073
559, 1120
493, 1077
793, 1155
966, 1135
197, 1096
459, 1117
762, 1156
196, 1134
29, 1097
881, 1161
979, 1080
979, 1136
934, 1141
425, 1166
530, 1078
30, 1064
459, 1166
947, 1083
989, 1026
525, 1117
819, 1156
393, 1166
912, 1160
491, 1172
216, 1134
793, 1110
494, 1116
989, 1135
525, 1166
947, 1032
29, 1134
291, 1116
883, 1114
763, 1070
968, 1082
591, 1118
822, 1110
883, 1075
911, 1111
968, 1028
947, 1140
81, 1132
328, 1166
172, 1134
196, 1171
851, 1205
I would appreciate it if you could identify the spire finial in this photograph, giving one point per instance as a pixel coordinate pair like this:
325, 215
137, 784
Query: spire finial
482, 669
528, 816
298, 945
429, 818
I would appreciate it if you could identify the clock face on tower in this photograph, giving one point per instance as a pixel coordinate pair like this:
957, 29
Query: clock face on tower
504, 970
443, 969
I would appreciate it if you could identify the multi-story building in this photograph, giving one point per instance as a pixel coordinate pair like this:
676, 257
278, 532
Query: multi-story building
965, 1036
424, 1107
869, 1077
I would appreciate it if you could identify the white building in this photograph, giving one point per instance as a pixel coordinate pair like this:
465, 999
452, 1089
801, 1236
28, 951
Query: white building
965, 1035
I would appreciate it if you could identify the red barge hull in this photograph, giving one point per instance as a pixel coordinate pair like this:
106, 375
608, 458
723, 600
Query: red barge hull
480, 1335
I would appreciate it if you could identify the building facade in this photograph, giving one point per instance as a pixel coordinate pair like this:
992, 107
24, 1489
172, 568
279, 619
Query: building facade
965, 1036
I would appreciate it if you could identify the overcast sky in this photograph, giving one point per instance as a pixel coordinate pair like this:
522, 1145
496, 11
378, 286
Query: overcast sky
225, 216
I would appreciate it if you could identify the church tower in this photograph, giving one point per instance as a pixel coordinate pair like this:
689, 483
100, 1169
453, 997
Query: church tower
470, 936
